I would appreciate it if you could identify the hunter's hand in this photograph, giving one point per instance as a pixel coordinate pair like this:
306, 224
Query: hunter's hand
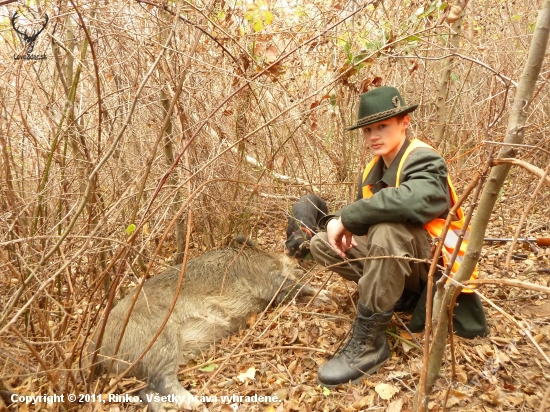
339, 237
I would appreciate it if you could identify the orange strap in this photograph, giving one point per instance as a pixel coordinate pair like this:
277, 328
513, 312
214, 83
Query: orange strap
367, 188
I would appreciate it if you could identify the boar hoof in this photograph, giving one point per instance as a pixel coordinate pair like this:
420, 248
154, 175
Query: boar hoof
325, 296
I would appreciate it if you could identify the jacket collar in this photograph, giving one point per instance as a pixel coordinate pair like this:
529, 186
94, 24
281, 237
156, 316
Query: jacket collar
388, 176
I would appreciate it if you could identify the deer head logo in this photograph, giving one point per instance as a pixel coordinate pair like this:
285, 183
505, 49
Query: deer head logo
27, 37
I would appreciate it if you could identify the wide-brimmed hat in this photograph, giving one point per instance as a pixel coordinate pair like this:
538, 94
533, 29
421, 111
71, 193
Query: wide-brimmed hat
380, 104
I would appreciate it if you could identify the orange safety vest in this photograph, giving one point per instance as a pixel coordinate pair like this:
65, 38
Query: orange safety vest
435, 227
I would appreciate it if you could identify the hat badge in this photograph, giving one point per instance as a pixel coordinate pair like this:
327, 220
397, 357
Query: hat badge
396, 102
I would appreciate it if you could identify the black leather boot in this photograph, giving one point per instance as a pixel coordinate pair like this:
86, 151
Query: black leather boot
364, 353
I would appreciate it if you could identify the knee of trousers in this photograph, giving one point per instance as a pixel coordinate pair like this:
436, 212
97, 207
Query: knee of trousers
323, 254
391, 235
318, 245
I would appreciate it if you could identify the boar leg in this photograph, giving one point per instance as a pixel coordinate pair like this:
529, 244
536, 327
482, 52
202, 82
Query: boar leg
163, 381
291, 290
194, 336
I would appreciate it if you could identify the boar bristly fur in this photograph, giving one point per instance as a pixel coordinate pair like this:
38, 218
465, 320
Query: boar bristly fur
219, 292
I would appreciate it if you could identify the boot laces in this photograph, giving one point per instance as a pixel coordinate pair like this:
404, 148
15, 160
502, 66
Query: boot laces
354, 345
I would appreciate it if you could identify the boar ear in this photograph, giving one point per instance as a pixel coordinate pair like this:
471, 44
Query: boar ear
241, 239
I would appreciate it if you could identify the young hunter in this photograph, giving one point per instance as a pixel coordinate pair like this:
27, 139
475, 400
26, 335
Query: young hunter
404, 196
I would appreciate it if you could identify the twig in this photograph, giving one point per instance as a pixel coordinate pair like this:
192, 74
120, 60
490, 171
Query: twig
545, 400
429, 295
32, 349
447, 391
88, 187
523, 330
471, 59
197, 26
407, 329
527, 333
401, 338
526, 211
87, 33
323, 315
509, 282
320, 289
278, 176
253, 352
527, 166
529, 146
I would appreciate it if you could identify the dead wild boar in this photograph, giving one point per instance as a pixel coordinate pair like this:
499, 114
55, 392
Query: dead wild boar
220, 290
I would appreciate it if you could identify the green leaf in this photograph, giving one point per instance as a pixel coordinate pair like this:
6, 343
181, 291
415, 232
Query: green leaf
209, 368
347, 47
268, 17
340, 41
410, 39
130, 229
373, 45
326, 391
333, 99
454, 77
443, 6
258, 26
358, 57
249, 16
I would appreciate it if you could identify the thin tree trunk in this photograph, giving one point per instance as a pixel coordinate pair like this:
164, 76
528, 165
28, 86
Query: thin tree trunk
169, 153
514, 135
441, 100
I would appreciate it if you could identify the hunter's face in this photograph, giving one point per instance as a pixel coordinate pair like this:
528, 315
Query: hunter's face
386, 137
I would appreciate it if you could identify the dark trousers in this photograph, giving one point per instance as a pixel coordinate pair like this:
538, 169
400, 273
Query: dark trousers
383, 276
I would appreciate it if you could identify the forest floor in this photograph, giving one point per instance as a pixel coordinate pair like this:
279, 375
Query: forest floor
280, 355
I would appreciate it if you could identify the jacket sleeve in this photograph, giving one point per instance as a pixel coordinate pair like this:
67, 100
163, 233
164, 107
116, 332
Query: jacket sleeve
422, 196
325, 219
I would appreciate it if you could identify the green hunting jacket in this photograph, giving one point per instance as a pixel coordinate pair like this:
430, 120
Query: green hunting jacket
422, 195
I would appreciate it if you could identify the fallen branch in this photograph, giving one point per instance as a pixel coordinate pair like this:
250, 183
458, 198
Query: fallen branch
510, 282
252, 352
278, 176
524, 215
527, 166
